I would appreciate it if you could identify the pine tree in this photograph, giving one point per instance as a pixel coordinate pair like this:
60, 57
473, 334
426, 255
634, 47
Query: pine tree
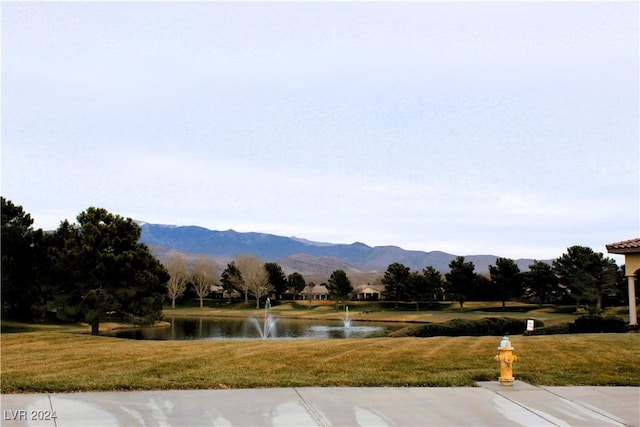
339, 286
100, 267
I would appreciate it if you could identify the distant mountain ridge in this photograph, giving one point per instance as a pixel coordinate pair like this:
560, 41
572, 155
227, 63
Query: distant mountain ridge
298, 254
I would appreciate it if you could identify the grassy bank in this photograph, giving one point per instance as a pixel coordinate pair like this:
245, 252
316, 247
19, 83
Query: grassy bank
372, 311
60, 360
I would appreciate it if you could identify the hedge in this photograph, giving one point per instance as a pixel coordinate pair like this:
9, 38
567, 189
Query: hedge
510, 326
462, 327
586, 324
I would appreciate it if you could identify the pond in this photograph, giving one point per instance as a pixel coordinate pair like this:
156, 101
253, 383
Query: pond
203, 328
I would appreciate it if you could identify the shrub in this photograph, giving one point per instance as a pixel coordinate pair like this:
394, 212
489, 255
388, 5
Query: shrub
586, 324
599, 324
503, 326
463, 327
409, 331
560, 328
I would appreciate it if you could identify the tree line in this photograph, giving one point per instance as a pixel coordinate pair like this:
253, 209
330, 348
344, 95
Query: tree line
581, 274
97, 266
245, 275
82, 271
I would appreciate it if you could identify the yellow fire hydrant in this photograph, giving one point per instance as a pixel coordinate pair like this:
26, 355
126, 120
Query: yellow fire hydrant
506, 359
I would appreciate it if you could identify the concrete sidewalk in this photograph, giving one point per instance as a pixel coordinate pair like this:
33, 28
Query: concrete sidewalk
488, 405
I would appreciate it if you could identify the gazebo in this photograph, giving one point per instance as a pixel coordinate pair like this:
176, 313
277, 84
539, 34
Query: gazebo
631, 251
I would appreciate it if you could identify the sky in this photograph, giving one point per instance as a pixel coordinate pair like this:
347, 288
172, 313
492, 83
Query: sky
504, 128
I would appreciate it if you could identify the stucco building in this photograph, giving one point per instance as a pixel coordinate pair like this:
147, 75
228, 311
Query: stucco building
631, 251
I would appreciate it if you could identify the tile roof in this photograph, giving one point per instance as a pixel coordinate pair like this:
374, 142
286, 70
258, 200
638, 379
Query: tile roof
626, 246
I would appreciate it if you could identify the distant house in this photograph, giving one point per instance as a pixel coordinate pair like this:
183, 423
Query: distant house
363, 292
315, 293
368, 292
218, 293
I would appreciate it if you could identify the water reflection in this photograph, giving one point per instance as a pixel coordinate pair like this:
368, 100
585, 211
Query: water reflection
198, 328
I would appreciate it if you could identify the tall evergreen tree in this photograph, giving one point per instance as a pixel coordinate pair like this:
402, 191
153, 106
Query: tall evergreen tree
277, 279
433, 283
395, 281
100, 266
296, 283
23, 255
541, 282
415, 288
339, 286
587, 274
506, 279
231, 280
460, 280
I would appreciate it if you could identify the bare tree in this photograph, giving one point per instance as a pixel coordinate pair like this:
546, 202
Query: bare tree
254, 276
204, 274
177, 268
309, 292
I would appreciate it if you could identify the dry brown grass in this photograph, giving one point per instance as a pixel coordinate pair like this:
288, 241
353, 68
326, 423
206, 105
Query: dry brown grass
59, 360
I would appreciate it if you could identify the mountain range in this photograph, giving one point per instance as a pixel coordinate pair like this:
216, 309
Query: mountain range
312, 259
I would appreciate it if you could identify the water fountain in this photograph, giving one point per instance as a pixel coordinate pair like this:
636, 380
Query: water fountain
346, 321
210, 327
256, 328
268, 328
